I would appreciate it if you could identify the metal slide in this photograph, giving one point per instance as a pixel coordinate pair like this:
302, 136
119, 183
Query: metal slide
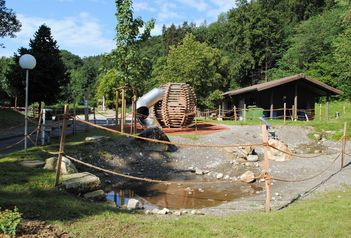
146, 102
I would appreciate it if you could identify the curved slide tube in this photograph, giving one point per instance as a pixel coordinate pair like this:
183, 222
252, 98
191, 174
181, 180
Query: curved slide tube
144, 104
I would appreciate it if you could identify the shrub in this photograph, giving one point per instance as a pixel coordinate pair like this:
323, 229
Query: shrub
9, 221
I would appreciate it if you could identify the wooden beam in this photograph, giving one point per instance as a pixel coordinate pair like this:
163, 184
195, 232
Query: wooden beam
327, 108
295, 103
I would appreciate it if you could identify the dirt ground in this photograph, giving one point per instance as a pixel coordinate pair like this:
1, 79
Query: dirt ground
144, 160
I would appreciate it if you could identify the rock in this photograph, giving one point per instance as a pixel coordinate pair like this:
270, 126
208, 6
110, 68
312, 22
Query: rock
252, 158
201, 190
278, 155
155, 211
157, 134
219, 176
196, 212
258, 151
134, 204
32, 163
67, 167
147, 212
96, 138
198, 171
317, 151
317, 136
226, 177
177, 213
164, 211
247, 177
81, 182
98, 195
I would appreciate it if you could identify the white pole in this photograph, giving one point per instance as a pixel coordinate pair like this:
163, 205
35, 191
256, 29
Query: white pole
26, 113
43, 128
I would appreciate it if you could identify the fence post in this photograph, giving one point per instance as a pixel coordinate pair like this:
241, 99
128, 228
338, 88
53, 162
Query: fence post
343, 146
235, 115
244, 112
266, 168
117, 108
284, 113
38, 128
320, 112
74, 117
94, 115
62, 144
123, 109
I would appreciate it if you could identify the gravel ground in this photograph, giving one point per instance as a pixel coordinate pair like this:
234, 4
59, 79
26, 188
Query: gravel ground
140, 159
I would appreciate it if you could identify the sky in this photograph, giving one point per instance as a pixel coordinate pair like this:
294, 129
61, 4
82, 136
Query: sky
87, 27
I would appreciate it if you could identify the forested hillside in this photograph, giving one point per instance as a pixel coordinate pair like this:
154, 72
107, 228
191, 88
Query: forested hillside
256, 41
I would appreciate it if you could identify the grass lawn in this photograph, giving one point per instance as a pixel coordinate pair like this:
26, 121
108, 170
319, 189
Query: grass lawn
10, 118
31, 190
332, 124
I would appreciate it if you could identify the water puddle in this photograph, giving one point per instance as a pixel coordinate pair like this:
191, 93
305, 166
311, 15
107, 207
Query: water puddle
180, 196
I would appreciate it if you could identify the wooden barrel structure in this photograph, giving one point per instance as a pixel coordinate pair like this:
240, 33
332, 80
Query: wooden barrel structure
177, 108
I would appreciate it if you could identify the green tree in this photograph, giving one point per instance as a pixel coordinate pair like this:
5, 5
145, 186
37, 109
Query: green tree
49, 77
128, 42
197, 64
9, 24
5, 86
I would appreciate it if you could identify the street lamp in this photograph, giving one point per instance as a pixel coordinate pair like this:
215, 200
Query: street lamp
26, 62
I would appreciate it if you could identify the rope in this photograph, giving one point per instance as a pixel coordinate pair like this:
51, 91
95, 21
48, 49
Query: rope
18, 142
146, 179
309, 178
167, 142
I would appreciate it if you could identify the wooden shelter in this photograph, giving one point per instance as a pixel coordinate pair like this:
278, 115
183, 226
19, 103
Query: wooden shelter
298, 93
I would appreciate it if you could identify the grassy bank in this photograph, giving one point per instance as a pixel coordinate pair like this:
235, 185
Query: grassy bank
10, 118
31, 190
319, 124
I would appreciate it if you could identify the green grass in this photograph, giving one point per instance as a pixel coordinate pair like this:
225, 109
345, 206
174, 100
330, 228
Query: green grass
10, 118
320, 125
32, 191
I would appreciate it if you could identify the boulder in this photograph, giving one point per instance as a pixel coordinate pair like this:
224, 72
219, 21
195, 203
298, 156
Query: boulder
81, 182
252, 158
134, 204
98, 195
67, 167
96, 138
219, 176
164, 211
247, 177
282, 153
33, 163
157, 134
199, 171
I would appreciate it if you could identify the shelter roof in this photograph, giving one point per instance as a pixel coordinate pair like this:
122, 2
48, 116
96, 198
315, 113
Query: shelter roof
275, 83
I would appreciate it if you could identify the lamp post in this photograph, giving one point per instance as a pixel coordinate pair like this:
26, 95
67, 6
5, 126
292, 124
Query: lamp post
26, 62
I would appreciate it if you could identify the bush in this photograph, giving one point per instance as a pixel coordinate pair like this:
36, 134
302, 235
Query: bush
9, 221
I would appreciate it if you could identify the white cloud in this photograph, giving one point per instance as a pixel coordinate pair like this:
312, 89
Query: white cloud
166, 10
220, 7
143, 6
81, 34
199, 5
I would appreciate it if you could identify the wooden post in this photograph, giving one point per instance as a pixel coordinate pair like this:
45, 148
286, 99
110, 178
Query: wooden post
292, 112
123, 109
94, 115
62, 144
295, 103
266, 168
320, 111
133, 122
117, 108
235, 114
271, 107
38, 128
74, 116
195, 118
343, 145
244, 112
16, 103
327, 108
284, 113
219, 111
135, 114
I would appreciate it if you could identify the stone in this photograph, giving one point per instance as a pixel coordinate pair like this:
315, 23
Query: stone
157, 134
134, 204
98, 195
252, 158
67, 167
177, 213
147, 212
155, 211
198, 171
81, 182
196, 212
201, 190
317, 136
278, 155
33, 163
226, 177
247, 177
164, 211
219, 176
96, 138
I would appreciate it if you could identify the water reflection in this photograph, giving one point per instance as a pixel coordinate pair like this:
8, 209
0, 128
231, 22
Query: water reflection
121, 197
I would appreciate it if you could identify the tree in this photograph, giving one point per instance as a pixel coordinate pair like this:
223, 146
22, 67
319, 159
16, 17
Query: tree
128, 41
49, 76
9, 24
5, 87
199, 65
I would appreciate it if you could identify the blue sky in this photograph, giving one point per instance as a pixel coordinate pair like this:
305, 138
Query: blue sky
87, 27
